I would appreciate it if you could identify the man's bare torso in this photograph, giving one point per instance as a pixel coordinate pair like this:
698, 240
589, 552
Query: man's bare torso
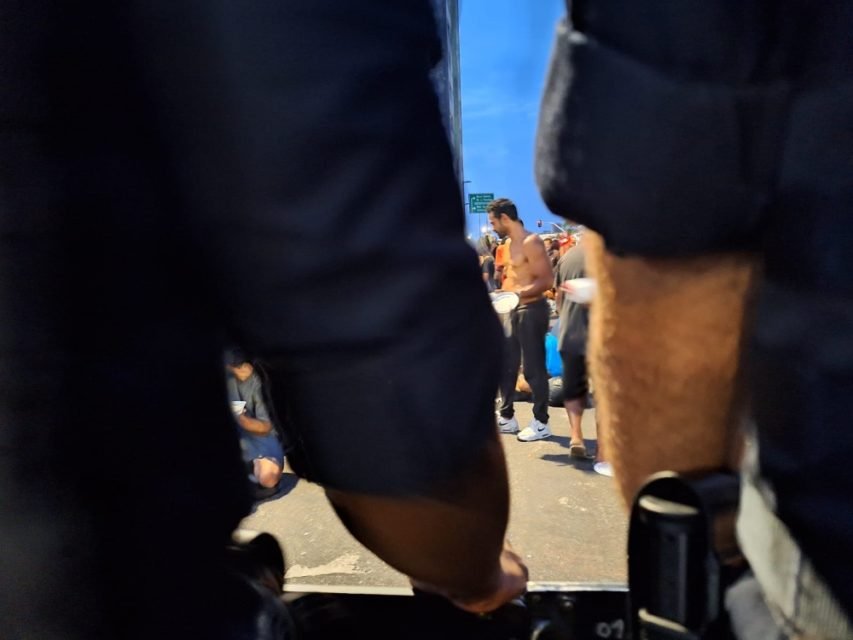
518, 271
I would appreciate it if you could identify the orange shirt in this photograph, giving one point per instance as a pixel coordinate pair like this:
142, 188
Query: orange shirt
502, 255
502, 262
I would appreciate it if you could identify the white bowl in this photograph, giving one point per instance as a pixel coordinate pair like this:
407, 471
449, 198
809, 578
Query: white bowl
504, 301
579, 290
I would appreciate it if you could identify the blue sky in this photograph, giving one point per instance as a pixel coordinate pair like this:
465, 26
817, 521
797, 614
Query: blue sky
505, 46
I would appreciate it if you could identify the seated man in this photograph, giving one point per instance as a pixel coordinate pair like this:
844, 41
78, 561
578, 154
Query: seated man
259, 441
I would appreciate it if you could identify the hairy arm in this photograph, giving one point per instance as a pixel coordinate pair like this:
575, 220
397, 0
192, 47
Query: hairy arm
665, 343
451, 542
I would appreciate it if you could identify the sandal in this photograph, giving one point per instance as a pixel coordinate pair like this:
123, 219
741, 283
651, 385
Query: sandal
577, 450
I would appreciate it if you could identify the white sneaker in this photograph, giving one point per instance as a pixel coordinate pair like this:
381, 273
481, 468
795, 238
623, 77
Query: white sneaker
603, 468
535, 431
507, 425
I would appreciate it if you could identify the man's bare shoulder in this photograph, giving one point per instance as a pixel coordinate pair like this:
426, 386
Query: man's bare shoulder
534, 241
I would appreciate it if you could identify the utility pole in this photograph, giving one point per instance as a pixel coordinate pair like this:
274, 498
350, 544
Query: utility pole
467, 205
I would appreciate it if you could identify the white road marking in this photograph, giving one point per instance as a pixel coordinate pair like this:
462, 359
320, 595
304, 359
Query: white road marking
344, 564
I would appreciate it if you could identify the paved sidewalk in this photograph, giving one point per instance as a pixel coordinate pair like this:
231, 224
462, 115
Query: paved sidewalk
566, 520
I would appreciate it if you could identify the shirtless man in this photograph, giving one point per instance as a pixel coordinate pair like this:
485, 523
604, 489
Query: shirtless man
528, 274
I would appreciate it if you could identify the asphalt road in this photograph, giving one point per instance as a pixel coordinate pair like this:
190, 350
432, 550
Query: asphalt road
566, 520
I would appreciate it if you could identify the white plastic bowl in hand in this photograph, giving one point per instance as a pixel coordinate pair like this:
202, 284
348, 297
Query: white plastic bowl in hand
237, 406
504, 301
580, 290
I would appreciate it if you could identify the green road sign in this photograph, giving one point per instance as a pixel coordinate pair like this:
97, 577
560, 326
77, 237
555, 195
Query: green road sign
477, 202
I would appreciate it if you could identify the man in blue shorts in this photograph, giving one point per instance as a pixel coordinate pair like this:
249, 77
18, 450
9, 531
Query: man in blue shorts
259, 441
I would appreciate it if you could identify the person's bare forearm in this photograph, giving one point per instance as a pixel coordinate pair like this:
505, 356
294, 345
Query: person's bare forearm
535, 288
664, 353
452, 540
255, 426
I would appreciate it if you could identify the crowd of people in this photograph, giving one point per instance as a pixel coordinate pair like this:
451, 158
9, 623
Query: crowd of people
538, 270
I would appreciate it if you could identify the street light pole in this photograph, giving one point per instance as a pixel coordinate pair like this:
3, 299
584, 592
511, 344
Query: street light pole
466, 204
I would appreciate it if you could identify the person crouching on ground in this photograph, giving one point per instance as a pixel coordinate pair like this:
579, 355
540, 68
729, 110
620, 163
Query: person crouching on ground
259, 442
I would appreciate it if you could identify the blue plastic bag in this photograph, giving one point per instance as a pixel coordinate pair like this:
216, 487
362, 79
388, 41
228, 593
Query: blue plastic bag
553, 361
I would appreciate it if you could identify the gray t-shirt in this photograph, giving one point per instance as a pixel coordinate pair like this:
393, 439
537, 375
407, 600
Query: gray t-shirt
249, 391
574, 318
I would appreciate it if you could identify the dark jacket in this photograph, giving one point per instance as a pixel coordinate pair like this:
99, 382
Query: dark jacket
170, 170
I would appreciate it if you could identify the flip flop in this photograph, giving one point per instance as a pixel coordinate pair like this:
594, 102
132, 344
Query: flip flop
577, 450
